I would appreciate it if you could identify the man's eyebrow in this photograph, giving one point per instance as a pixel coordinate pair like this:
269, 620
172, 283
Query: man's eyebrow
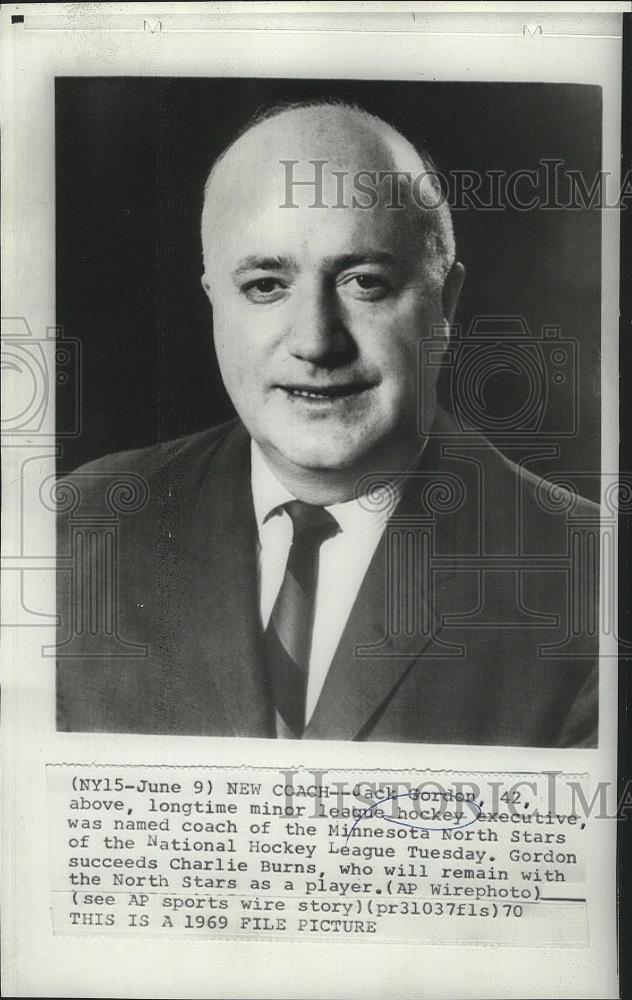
363, 257
255, 263
333, 263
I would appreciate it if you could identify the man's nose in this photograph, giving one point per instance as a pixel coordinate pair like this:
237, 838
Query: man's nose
318, 332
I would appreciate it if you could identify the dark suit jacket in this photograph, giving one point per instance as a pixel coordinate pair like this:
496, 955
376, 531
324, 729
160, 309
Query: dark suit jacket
465, 629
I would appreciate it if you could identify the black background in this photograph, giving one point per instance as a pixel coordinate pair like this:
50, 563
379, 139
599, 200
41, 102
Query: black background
132, 155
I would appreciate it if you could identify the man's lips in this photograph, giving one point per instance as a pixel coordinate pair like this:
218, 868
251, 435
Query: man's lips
331, 391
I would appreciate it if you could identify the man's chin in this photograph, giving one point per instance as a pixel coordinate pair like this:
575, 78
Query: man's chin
323, 477
325, 465
324, 461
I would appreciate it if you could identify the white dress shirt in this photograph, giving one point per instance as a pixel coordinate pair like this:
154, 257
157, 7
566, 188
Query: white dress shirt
343, 562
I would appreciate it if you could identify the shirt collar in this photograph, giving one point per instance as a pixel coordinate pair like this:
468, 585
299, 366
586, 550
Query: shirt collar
267, 492
359, 516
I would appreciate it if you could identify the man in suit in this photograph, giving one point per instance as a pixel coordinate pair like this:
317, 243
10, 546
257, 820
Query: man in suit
342, 561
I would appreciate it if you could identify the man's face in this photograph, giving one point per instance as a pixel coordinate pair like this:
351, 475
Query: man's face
318, 313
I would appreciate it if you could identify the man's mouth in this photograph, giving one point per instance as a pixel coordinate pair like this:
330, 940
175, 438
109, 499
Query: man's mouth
325, 392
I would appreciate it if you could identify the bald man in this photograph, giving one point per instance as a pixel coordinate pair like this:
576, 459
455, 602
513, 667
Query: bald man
339, 562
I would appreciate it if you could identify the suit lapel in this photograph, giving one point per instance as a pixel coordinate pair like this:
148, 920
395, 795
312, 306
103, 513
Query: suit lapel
376, 651
369, 662
225, 606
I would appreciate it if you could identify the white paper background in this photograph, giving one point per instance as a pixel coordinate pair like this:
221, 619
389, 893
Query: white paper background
109, 39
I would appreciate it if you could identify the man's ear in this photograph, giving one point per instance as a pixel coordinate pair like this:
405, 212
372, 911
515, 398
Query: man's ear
451, 290
206, 286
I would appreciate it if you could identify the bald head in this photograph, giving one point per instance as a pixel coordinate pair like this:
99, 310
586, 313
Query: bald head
328, 156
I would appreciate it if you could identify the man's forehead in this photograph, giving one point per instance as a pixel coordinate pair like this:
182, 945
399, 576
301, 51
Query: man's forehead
265, 230
288, 185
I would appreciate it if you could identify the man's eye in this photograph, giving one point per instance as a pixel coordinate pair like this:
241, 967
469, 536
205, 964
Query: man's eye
263, 289
369, 287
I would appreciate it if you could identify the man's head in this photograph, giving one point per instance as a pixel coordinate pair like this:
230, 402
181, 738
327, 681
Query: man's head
321, 292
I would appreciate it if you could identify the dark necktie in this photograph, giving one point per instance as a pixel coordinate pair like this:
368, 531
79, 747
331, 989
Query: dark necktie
288, 637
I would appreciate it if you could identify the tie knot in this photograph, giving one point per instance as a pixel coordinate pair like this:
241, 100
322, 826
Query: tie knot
311, 521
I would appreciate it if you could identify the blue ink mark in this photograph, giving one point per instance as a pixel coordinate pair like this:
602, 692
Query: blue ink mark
415, 826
